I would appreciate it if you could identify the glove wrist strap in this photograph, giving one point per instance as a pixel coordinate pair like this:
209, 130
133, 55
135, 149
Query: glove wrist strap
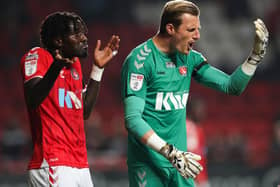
166, 150
254, 59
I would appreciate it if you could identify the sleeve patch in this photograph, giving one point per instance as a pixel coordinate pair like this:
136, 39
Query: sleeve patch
136, 81
30, 67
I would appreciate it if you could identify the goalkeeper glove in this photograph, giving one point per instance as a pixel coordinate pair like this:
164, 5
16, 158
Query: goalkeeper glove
185, 162
260, 43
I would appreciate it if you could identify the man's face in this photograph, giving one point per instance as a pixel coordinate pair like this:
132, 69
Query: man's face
75, 44
186, 34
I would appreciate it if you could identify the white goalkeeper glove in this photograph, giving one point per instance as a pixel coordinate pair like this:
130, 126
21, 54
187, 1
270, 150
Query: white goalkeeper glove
260, 43
185, 162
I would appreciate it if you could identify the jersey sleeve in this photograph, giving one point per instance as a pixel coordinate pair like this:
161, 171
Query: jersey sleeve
212, 77
135, 74
199, 61
233, 84
35, 63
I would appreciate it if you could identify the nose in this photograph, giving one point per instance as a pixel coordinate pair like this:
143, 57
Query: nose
196, 35
83, 37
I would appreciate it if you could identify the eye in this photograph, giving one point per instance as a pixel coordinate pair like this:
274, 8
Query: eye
193, 29
77, 35
190, 30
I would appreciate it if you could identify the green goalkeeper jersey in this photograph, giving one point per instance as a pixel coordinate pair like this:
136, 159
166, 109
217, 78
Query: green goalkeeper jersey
162, 83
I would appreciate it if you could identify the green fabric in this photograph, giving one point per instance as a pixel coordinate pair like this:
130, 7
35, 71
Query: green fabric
233, 84
155, 89
155, 77
133, 109
148, 176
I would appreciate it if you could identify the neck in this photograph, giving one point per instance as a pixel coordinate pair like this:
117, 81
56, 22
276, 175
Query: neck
163, 43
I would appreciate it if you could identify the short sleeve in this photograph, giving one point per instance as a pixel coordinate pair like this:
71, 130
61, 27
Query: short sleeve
134, 77
35, 63
199, 62
198, 57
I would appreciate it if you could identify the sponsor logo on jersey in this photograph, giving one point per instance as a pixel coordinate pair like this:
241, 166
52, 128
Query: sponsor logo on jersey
170, 65
68, 97
74, 74
169, 101
136, 81
183, 70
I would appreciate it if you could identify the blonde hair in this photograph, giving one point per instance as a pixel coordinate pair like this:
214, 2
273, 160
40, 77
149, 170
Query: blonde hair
172, 11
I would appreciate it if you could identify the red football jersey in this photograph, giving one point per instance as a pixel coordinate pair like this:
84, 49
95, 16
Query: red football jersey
57, 124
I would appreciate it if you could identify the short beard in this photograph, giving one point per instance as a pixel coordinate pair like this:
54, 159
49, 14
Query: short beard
83, 54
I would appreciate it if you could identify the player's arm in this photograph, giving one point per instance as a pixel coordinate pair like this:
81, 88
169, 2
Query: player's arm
37, 89
101, 58
212, 77
236, 82
185, 162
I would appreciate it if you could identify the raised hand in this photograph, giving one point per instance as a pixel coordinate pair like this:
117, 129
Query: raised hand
260, 42
103, 56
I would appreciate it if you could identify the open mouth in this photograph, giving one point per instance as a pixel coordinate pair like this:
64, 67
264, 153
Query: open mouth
191, 44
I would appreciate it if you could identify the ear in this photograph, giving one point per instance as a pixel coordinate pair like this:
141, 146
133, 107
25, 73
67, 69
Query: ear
57, 42
170, 29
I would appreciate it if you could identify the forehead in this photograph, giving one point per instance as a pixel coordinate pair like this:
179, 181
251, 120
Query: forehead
188, 20
76, 26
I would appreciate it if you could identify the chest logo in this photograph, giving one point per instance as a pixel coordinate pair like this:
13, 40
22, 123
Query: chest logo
68, 97
74, 74
183, 70
170, 101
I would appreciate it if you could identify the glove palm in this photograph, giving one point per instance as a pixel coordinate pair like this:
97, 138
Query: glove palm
260, 43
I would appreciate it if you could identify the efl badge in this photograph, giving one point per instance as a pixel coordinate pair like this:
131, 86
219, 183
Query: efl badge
74, 74
183, 70
30, 67
136, 81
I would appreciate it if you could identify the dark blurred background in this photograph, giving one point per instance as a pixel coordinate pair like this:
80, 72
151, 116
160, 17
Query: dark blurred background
242, 133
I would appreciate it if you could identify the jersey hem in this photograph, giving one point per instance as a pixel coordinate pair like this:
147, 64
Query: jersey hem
38, 165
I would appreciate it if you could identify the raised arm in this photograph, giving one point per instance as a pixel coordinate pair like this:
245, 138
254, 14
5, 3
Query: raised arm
101, 59
37, 89
235, 83
134, 86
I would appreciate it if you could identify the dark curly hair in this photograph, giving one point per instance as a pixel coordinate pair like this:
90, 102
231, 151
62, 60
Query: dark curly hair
59, 24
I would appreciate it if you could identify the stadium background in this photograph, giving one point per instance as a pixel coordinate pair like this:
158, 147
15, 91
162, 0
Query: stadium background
240, 131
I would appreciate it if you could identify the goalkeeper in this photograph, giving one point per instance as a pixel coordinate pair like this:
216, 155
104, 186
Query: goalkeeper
156, 78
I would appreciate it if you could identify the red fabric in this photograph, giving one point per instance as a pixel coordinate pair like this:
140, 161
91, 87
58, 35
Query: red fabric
196, 144
57, 126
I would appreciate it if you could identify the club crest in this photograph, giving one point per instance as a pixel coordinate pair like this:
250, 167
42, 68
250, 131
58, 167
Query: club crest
183, 70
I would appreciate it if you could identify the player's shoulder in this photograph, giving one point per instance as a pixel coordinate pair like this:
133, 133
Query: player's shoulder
197, 55
142, 52
34, 53
37, 50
